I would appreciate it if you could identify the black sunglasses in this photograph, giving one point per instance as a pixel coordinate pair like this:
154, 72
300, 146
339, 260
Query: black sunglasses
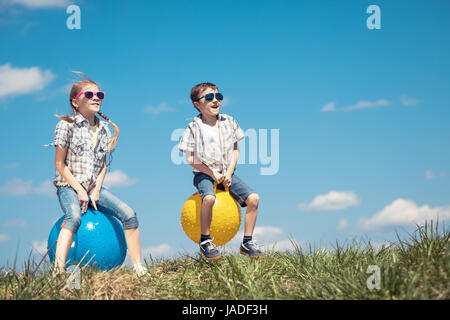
210, 96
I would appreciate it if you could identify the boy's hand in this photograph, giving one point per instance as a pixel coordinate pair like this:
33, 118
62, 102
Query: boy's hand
227, 179
218, 177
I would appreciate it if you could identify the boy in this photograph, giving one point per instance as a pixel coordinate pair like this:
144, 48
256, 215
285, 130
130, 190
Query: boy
211, 146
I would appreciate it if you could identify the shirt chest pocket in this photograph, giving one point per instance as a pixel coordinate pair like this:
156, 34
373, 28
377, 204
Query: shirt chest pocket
102, 149
77, 146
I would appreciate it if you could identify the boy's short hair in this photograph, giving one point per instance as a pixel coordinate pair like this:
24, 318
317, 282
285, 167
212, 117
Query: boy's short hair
198, 89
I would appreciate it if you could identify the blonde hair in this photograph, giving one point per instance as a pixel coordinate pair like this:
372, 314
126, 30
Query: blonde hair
76, 89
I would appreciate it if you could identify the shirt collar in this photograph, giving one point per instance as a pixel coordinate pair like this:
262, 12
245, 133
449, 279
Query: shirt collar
80, 120
219, 117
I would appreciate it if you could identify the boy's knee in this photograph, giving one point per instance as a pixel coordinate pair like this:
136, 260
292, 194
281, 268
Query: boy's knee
209, 200
253, 200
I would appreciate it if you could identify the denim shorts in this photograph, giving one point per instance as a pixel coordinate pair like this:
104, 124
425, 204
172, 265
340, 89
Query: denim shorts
108, 204
238, 189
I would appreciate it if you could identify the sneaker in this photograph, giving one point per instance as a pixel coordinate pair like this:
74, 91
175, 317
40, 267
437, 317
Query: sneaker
140, 269
250, 249
209, 250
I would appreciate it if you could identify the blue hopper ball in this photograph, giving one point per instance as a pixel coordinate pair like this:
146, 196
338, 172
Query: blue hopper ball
99, 242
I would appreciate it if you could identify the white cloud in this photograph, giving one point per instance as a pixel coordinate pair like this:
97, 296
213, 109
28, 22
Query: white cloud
360, 105
408, 101
333, 200
403, 211
23, 80
45, 188
4, 237
18, 188
118, 178
331, 106
163, 107
262, 234
430, 175
34, 4
343, 223
267, 232
380, 245
159, 251
39, 246
270, 237
282, 245
367, 105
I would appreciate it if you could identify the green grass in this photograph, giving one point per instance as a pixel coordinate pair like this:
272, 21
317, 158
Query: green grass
416, 268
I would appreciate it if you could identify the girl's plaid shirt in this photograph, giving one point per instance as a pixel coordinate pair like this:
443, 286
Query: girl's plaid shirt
229, 133
83, 159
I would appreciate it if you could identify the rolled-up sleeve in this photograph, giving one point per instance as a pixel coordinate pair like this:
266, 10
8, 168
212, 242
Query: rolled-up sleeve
237, 131
61, 138
187, 141
109, 139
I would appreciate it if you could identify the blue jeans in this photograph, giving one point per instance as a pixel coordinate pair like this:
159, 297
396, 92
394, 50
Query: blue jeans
238, 189
108, 203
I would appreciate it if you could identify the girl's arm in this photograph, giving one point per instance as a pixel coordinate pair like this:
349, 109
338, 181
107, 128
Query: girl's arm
60, 157
95, 192
101, 175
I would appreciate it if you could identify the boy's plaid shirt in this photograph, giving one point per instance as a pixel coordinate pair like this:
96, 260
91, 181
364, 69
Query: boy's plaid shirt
229, 133
83, 159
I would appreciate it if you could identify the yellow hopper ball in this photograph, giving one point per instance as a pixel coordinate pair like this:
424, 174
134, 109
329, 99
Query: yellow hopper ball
226, 217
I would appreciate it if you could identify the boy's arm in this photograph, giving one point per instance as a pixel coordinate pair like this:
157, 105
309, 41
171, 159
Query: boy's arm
200, 166
231, 165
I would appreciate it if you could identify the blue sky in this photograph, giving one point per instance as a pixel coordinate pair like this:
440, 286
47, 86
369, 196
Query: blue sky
362, 114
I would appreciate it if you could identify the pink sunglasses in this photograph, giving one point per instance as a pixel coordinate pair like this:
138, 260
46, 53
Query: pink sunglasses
90, 94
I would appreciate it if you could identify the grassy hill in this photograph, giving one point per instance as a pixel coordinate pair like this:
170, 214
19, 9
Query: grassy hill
416, 268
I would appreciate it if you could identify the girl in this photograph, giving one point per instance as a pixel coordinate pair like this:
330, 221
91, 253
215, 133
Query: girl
82, 143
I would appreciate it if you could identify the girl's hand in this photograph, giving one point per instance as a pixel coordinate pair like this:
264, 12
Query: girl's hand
83, 198
94, 194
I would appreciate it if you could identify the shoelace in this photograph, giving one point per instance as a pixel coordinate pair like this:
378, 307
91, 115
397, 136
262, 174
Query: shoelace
210, 244
254, 244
